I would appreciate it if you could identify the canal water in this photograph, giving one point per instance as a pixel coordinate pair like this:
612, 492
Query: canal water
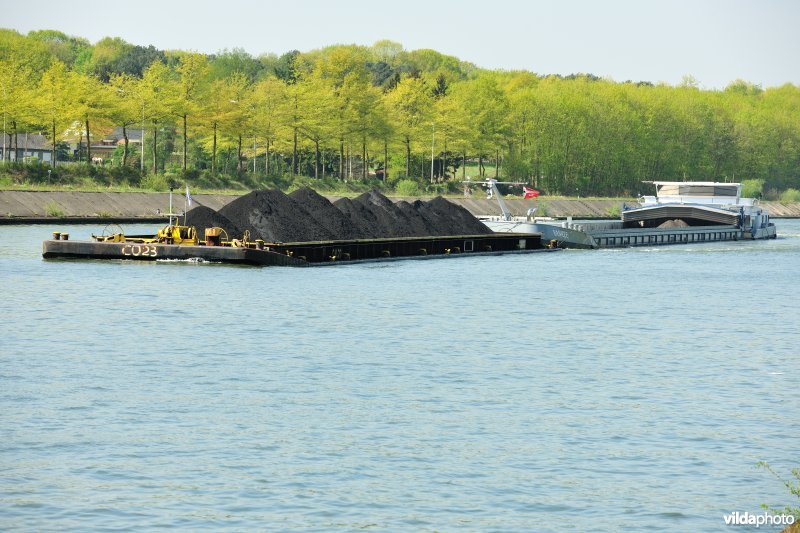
611, 390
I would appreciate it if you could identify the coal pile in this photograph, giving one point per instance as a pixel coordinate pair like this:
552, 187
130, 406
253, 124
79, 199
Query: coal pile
274, 217
390, 220
362, 219
417, 223
202, 217
305, 216
326, 214
459, 220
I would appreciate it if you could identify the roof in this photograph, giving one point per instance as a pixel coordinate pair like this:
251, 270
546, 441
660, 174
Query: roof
28, 141
134, 134
706, 183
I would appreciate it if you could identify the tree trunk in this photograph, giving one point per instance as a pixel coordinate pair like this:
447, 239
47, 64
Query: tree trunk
480, 166
88, 143
464, 165
364, 173
184, 142
239, 155
16, 141
80, 146
125, 149
294, 153
385, 160
155, 147
316, 159
408, 156
496, 163
53, 162
214, 151
444, 161
341, 158
266, 162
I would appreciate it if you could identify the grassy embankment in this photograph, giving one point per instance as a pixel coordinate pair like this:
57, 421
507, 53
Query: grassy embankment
84, 178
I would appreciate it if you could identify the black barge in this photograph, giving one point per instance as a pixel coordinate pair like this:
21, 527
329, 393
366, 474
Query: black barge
181, 243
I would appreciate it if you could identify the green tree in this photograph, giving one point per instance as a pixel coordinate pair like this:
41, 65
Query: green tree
157, 91
487, 106
228, 62
54, 102
410, 108
17, 86
193, 71
92, 102
126, 107
269, 97
224, 111
63, 47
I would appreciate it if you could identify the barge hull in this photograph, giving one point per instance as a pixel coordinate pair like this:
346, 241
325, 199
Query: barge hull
664, 236
299, 254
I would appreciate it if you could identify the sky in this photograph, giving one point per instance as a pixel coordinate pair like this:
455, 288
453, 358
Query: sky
714, 41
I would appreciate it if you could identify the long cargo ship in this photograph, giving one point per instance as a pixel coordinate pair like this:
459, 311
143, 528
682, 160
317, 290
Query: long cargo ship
176, 242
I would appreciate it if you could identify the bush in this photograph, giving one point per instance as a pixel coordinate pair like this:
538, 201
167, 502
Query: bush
52, 209
408, 188
129, 175
790, 196
155, 182
441, 189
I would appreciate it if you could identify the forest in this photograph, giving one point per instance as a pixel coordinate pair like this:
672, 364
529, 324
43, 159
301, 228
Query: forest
383, 114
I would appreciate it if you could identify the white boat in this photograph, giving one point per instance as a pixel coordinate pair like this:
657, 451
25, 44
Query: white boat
680, 212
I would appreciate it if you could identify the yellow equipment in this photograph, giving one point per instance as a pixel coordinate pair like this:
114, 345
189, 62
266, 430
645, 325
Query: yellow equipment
177, 235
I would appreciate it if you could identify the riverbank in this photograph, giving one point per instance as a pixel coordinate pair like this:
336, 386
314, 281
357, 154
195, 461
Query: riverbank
19, 207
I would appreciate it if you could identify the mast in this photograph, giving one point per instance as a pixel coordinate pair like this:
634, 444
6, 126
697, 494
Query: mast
491, 184
503, 207
170, 205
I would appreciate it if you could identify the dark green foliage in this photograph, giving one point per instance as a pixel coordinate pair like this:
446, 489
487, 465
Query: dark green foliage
115, 56
136, 61
286, 68
440, 89
381, 72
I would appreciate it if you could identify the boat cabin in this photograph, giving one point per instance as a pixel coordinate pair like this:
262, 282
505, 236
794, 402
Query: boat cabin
694, 203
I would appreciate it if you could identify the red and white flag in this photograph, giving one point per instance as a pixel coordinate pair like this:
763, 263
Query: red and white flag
529, 193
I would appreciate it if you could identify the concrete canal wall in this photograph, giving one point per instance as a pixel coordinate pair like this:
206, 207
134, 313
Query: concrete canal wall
38, 206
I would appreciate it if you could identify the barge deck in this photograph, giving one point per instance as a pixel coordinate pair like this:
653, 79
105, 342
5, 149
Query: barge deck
298, 254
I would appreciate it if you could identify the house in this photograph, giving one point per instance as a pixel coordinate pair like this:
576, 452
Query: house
29, 146
37, 147
104, 148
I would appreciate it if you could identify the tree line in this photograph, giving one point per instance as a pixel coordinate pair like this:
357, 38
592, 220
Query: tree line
358, 112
